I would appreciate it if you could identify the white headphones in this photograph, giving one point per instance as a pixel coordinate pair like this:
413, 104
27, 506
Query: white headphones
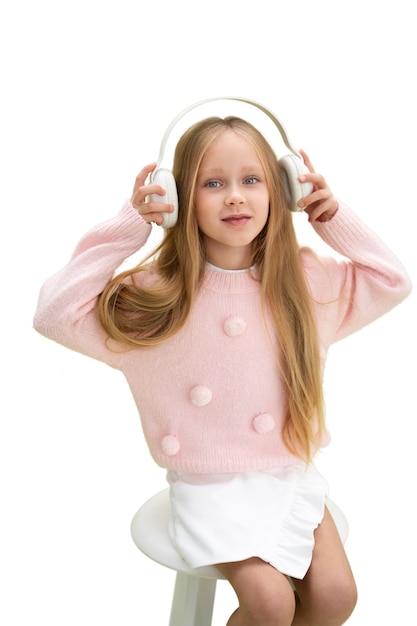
292, 166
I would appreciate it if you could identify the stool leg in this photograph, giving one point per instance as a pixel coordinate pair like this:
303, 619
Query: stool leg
193, 601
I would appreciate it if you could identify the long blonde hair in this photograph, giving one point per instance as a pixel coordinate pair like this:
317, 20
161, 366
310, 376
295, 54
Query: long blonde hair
140, 317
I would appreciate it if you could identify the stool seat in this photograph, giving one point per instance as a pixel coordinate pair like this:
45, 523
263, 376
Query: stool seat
194, 592
149, 531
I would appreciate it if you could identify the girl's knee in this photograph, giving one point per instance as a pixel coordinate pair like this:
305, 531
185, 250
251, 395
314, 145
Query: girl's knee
335, 604
344, 601
266, 598
269, 607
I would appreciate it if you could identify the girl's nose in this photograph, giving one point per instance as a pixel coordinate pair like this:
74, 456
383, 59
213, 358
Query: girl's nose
235, 198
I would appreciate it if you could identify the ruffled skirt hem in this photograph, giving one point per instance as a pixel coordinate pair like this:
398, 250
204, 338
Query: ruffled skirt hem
269, 514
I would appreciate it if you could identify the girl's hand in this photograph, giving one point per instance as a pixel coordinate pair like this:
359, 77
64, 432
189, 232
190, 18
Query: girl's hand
150, 211
320, 205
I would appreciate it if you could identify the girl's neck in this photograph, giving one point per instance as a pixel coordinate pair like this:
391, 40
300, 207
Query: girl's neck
211, 266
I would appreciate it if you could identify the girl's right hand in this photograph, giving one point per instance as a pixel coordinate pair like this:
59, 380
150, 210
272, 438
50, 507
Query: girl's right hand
150, 211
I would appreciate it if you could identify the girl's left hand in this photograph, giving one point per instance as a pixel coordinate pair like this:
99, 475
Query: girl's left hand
320, 204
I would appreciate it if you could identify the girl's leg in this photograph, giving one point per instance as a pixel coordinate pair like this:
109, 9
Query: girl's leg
265, 596
327, 595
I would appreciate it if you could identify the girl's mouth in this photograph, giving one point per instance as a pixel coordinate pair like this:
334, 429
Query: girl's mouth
237, 220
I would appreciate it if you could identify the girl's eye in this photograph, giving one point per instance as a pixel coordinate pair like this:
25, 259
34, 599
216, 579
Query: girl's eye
251, 180
212, 184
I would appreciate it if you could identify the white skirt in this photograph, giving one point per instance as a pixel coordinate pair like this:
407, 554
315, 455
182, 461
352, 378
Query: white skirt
271, 514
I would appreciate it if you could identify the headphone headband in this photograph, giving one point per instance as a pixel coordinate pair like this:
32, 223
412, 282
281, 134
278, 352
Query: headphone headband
292, 165
259, 106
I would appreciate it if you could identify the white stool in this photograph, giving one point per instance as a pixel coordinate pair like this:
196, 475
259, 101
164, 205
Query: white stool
193, 599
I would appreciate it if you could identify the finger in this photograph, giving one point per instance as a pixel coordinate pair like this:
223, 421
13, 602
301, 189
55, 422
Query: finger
318, 180
326, 217
322, 211
318, 216
156, 217
153, 218
153, 211
144, 193
307, 161
143, 175
318, 196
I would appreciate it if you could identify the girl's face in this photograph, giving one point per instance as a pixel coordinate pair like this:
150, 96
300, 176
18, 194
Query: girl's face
232, 201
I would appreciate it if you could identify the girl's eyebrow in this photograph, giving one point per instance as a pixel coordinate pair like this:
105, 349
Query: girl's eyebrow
211, 171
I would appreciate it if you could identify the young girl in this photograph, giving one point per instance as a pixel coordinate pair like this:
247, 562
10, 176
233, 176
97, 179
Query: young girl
222, 335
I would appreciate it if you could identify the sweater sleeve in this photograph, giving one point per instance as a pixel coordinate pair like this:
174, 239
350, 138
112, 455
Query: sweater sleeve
66, 310
364, 284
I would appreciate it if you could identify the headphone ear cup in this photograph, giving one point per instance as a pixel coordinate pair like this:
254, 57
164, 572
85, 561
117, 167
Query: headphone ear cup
292, 166
166, 179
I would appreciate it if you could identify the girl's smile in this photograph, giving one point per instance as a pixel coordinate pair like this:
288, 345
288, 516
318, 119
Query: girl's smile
237, 220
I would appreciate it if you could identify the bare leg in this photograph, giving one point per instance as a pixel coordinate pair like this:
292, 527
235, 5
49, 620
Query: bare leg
327, 595
265, 596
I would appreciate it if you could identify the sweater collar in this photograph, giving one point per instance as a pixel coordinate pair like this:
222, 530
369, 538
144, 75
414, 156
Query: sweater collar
230, 281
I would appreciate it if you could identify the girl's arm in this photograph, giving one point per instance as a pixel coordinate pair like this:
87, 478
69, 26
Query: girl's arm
357, 289
367, 283
66, 306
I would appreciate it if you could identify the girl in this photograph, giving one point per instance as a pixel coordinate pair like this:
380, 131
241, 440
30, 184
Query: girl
222, 335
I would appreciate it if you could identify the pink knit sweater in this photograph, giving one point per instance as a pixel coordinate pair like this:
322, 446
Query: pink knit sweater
210, 398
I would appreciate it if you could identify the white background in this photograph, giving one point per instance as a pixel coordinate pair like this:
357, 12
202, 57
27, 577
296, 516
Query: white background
88, 89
